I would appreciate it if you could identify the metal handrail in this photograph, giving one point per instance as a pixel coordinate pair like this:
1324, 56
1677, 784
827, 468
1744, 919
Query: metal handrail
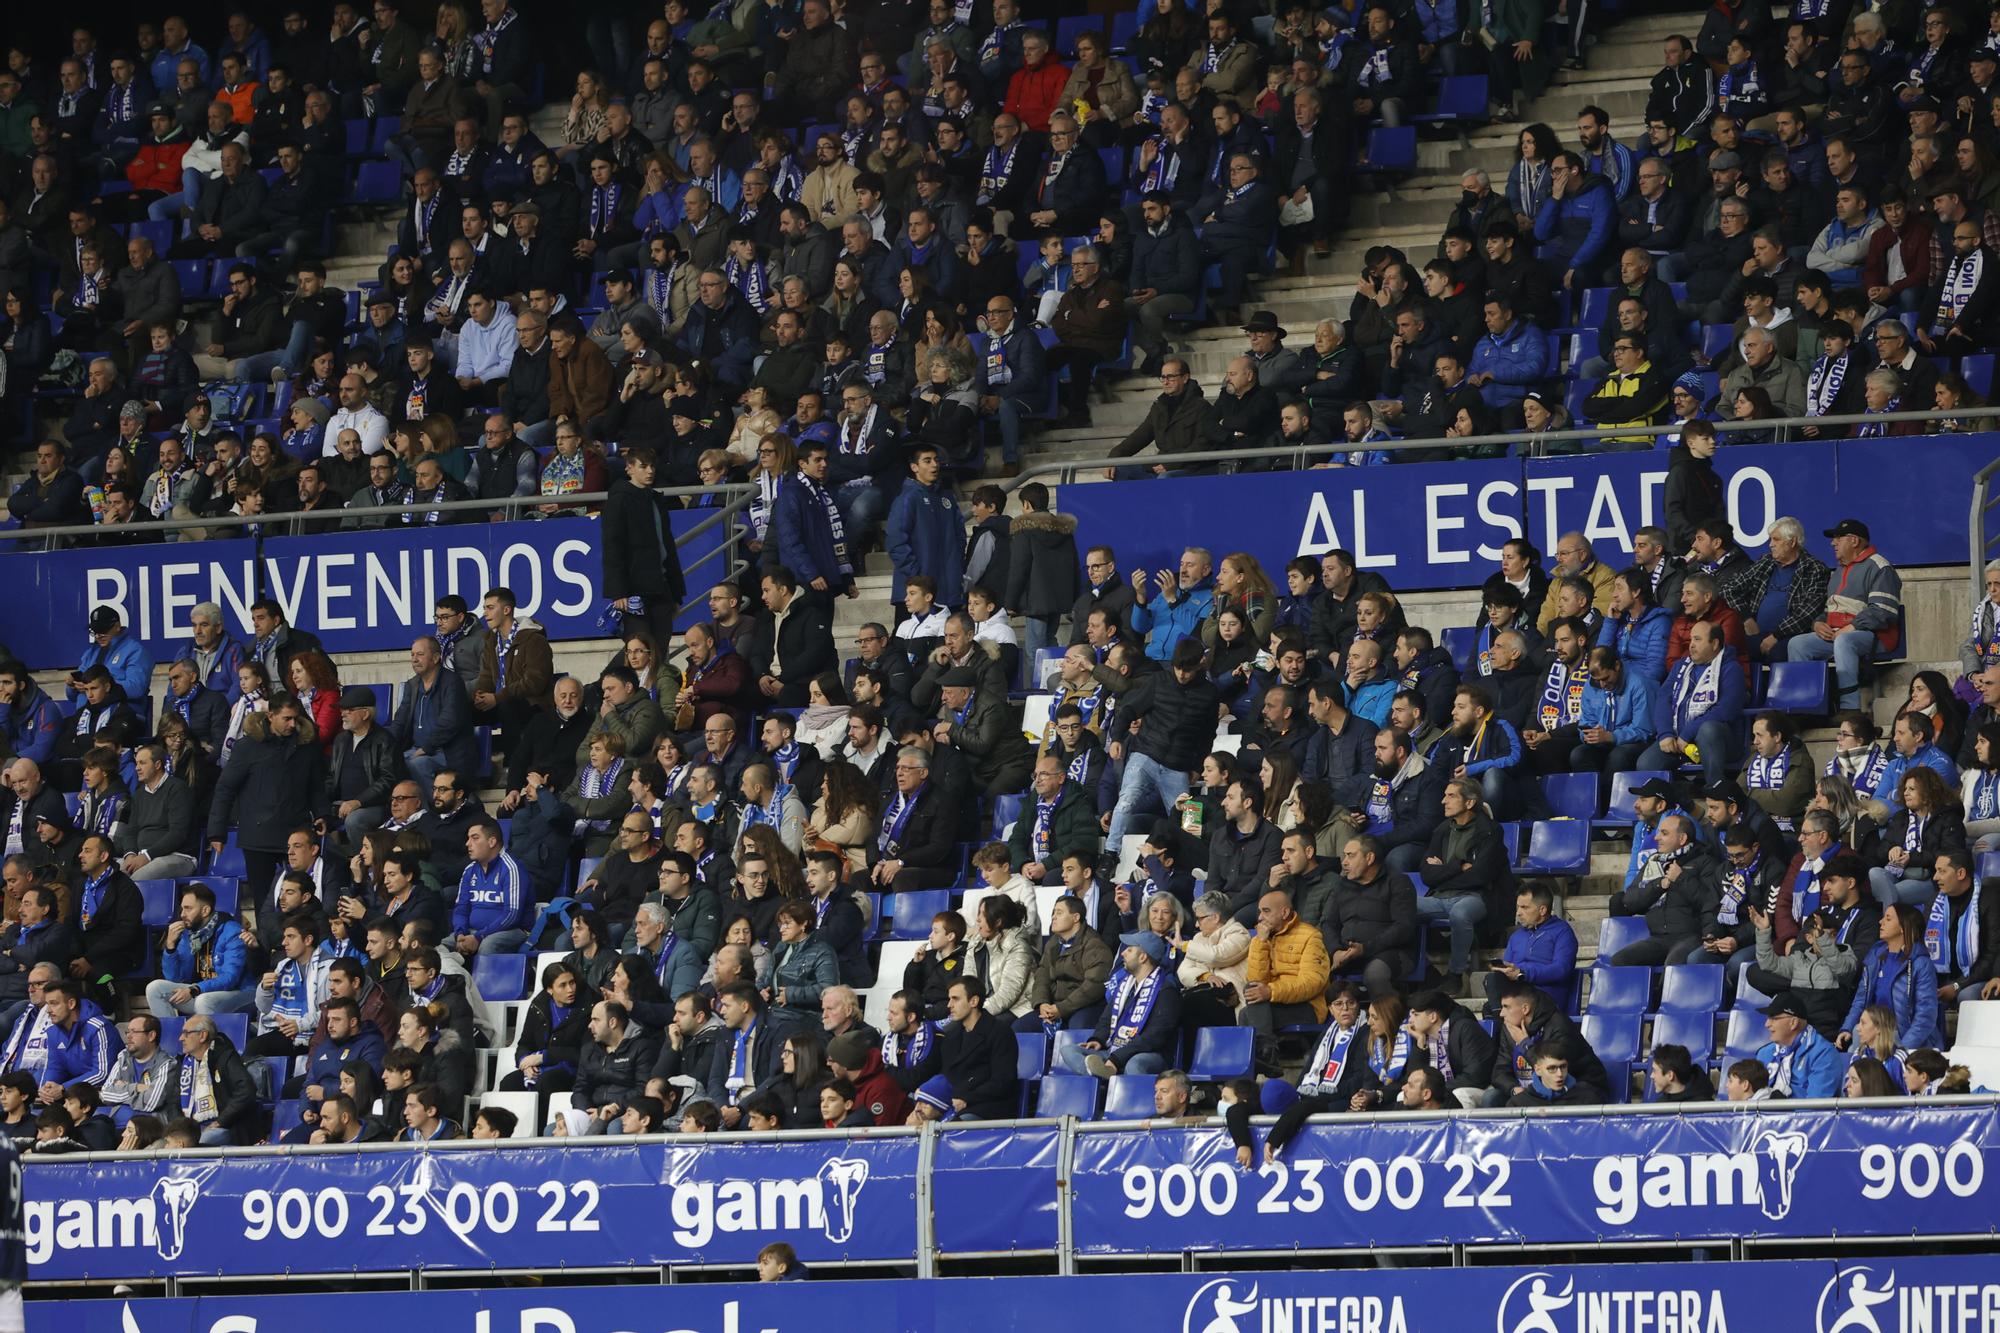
280, 519
1069, 467
1975, 527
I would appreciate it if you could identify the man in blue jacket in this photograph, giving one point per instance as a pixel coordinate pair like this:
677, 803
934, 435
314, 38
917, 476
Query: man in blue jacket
1541, 951
1576, 221
202, 960
214, 653
1802, 1063
1699, 707
1237, 234
1182, 606
1617, 716
1511, 359
495, 902
721, 330
347, 1038
1165, 278
807, 527
925, 532
1010, 375
29, 719
77, 1045
130, 665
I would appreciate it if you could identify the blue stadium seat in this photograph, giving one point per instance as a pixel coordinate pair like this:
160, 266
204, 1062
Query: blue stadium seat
1069, 28
1619, 990
1065, 1039
229, 861
1576, 395
1032, 1059
1746, 1036
1557, 847
1067, 1094
1221, 1054
912, 912
1616, 932
192, 275
1615, 1038
1571, 795
385, 702
225, 888
1596, 312
1799, 687
1978, 372
386, 128
1619, 811
379, 183
1715, 339
1006, 809
1747, 994
161, 899
287, 1116
1459, 97
500, 977
1691, 988
1460, 643
236, 1027
1989, 864
1124, 27
356, 142
1510, 837
1390, 149
1129, 1097
1694, 1031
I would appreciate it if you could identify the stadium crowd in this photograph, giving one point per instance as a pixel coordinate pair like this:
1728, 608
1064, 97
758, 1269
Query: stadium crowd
932, 219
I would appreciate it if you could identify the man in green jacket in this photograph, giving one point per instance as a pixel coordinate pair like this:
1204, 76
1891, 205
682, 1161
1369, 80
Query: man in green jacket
1061, 820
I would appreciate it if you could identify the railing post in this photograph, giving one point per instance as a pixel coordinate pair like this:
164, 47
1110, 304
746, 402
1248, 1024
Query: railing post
927, 1250
1065, 1198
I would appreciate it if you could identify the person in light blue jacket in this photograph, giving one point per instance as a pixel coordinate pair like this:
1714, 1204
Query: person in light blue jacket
1638, 626
1617, 721
117, 652
1801, 1063
1179, 607
1511, 359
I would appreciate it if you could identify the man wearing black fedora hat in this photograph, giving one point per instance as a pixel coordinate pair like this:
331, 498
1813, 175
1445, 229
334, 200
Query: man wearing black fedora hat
1267, 352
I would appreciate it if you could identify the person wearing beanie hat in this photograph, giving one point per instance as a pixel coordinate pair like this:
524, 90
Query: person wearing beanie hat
931, 1101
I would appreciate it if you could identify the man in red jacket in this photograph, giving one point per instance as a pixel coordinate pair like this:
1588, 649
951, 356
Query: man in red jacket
851, 1056
1700, 601
1035, 88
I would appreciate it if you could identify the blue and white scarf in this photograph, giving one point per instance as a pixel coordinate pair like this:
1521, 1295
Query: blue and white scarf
1328, 1058
897, 1055
1133, 1006
750, 281
1735, 885
997, 171
1562, 697
1954, 952
487, 38
1985, 803
1828, 373
895, 816
1389, 1064
604, 208
1762, 774
1961, 281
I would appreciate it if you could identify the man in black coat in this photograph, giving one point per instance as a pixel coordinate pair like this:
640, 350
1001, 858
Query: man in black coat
915, 847
109, 917
37, 937
979, 1056
275, 782
1167, 723
792, 645
641, 562
1071, 189
26, 797
1311, 164
363, 767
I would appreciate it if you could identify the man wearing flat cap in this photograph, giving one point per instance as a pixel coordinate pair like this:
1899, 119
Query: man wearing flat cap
364, 765
980, 724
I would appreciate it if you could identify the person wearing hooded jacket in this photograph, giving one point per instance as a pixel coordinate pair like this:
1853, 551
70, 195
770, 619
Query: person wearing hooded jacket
641, 562
1576, 222
875, 1091
1042, 577
32, 722
1529, 1019
925, 533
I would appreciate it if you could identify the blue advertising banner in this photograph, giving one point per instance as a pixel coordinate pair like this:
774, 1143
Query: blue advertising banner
1867, 1295
1440, 525
1541, 1180
993, 1190
541, 1208
361, 591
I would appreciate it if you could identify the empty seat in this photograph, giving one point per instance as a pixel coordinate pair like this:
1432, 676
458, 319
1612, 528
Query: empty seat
1460, 644
1066, 1039
1390, 148
1067, 1094
896, 956
160, 899
1615, 1038
236, 1027
500, 976
1032, 1058
1620, 990
1692, 988
1459, 97
1128, 1097
912, 912
1006, 809
1798, 687
1694, 1031
1616, 932
1746, 1035
1221, 1054
1557, 847
1571, 795
226, 889
1979, 1023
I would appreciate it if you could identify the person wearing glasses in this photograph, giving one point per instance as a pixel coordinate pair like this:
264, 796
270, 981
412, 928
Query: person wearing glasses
1089, 324
1173, 425
1237, 232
